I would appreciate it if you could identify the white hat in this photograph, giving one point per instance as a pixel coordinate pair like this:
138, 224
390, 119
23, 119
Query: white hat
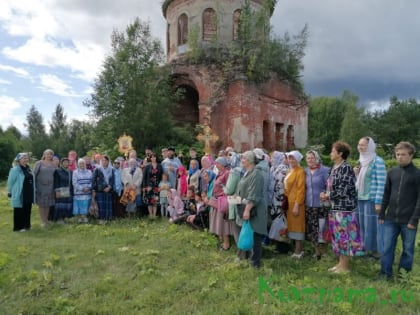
296, 154
259, 153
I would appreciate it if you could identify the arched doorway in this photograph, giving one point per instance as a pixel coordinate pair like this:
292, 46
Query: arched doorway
186, 111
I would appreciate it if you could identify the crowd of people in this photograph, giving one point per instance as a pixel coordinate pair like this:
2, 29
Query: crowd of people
360, 210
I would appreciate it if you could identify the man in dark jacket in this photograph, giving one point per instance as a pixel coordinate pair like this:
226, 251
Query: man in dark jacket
400, 210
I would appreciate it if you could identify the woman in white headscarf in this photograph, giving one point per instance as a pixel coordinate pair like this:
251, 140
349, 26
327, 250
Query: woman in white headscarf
294, 185
370, 184
103, 182
278, 172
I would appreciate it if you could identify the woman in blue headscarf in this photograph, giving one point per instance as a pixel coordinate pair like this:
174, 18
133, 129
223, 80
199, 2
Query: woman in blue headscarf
194, 174
20, 185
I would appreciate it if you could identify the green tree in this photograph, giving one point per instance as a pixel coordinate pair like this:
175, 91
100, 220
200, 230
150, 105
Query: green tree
133, 93
325, 119
59, 137
14, 131
353, 127
400, 122
37, 136
10, 145
81, 136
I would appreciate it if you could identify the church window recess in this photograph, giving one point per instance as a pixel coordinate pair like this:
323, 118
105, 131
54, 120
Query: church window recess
182, 29
236, 18
209, 25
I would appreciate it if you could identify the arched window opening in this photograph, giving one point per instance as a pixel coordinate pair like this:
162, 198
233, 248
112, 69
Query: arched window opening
182, 29
209, 25
236, 18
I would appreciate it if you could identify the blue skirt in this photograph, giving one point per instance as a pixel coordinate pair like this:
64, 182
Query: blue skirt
104, 201
370, 229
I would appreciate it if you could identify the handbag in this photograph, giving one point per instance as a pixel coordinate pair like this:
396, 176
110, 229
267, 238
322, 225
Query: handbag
63, 192
246, 237
241, 209
278, 229
324, 233
129, 195
326, 204
222, 204
93, 209
213, 202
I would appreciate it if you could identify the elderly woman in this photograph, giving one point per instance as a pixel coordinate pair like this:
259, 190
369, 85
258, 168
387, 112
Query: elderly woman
316, 182
218, 225
20, 185
294, 184
194, 174
206, 165
370, 185
44, 185
82, 183
250, 190
62, 188
278, 172
132, 177
102, 187
231, 189
341, 191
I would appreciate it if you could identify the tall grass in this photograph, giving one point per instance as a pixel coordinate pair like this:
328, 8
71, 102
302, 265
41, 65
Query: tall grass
146, 266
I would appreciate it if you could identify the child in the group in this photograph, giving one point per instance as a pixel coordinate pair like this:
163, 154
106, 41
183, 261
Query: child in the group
164, 186
182, 183
200, 219
190, 206
188, 209
175, 207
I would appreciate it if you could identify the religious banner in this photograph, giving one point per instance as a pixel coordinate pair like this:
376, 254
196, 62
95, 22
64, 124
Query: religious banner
124, 144
208, 138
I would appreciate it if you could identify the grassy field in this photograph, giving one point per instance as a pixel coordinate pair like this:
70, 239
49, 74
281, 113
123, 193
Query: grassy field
150, 267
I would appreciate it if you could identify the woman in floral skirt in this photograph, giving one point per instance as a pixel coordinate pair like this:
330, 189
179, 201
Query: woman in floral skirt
341, 191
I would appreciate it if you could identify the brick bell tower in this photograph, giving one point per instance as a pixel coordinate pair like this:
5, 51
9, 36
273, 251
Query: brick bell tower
243, 114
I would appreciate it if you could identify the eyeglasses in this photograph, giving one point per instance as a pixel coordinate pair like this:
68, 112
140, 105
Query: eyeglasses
116, 162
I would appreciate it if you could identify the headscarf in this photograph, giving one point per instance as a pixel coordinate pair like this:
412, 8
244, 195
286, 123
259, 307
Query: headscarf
191, 171
182, 180
250, 157
365, 159
212, 175
211, 160
277, 158
317, 159
210, 184
234, 160
206, 162
20, 156
222, 161
297, 155
132, 163
107, 173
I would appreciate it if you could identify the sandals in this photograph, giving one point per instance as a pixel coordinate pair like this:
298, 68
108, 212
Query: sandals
224, 249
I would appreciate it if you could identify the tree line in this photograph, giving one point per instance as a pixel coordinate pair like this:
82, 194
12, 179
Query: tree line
333, 118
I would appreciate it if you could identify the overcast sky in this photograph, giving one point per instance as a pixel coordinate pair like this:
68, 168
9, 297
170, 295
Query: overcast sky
51, 50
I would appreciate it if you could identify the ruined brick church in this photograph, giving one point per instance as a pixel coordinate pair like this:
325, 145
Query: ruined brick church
243, 114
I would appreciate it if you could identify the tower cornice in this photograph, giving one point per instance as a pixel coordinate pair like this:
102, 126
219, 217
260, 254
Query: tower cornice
166, 4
